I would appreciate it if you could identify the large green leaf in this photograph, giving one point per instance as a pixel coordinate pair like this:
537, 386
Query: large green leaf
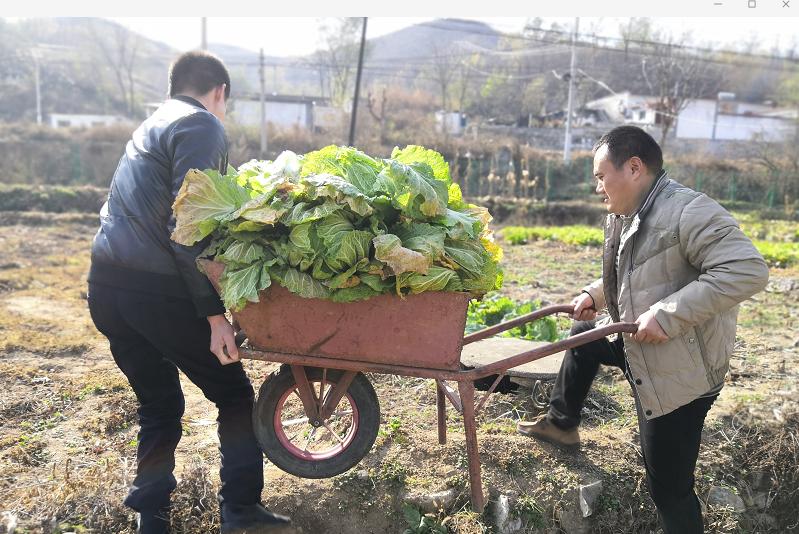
460, 225
331, 229
422, 237
489, 279
264, 209
302, 284
338, 189
305, 212
376, 282
348, 163
389, 250
436, 279
351, 294
413, 186
353, 247
204, 199
242, 253
455, 198
242, 285
300, 236
417, 154
468, 255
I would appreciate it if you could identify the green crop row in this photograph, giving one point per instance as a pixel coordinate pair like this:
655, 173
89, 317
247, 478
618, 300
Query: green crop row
780, 249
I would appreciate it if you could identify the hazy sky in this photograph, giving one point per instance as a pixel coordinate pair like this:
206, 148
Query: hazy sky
284, 36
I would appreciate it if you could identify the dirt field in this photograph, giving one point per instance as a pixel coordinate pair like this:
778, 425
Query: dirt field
68, 420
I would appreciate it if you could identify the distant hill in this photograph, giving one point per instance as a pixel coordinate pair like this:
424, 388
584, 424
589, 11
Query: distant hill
77, 58
404, 53
420, 40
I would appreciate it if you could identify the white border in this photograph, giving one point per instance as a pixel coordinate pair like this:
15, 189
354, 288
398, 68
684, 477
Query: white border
404, 8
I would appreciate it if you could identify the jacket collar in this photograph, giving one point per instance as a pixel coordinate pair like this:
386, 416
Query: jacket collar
189, 100
661, 181
657, 186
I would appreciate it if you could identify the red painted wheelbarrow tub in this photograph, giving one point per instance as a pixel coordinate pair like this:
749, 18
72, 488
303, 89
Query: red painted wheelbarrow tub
424, 330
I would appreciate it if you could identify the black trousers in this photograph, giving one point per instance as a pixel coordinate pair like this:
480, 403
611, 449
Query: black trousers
151, 338
669, 443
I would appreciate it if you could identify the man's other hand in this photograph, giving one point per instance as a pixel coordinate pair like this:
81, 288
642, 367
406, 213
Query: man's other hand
223, 343
584, 309
649, 330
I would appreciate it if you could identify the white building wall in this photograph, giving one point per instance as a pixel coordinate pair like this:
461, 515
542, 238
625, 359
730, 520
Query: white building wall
450, 121
696, 120
67, 120
745, 128
285, 114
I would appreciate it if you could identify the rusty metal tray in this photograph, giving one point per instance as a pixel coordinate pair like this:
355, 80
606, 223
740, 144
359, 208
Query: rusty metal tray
424, 330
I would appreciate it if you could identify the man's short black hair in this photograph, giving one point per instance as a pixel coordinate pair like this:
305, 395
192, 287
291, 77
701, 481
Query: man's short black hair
624, 142
197, 72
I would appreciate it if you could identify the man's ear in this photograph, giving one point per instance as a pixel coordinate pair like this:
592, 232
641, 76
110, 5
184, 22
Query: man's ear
219, 92
636, 166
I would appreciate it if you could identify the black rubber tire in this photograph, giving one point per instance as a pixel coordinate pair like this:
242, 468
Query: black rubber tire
362, 394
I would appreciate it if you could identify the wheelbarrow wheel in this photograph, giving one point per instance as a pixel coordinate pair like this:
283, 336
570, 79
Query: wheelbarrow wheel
288, 439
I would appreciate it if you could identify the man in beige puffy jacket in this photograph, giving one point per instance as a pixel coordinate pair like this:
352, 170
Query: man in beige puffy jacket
677, 264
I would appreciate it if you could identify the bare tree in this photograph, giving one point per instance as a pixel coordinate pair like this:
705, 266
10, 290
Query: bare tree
378, 109
464, 81
675, 78
119, 48
338, 57
636, 30
443, 70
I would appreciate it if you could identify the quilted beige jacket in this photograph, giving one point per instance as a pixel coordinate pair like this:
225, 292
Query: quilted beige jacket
685, 257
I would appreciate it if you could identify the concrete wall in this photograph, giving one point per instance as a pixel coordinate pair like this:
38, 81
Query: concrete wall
285, 114
66, 120
696, 122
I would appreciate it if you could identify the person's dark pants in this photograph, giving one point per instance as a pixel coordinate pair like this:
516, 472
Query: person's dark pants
151, 338
669, 443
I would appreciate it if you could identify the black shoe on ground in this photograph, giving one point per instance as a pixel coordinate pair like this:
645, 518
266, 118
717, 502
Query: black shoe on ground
252, 519
153, 521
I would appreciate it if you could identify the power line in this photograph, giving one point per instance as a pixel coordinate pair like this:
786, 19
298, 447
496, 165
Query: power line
583, 44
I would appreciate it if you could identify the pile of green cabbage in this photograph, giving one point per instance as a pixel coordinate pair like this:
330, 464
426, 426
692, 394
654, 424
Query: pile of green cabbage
338, 224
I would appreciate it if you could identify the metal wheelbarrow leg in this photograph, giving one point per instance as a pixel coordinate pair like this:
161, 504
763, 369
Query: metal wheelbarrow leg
466, 389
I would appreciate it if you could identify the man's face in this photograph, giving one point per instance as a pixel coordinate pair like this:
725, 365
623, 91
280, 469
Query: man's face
619, 188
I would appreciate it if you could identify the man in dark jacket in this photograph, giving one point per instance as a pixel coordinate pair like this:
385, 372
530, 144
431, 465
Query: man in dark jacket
160, 314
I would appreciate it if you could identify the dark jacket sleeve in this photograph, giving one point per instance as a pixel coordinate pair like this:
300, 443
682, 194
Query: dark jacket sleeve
197, 142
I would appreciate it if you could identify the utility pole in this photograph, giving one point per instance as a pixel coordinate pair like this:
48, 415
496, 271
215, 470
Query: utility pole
357, 84
263, 105
38, 88
567, 143
204, 33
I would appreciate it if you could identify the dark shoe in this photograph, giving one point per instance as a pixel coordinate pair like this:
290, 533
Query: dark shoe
153, 521
544, 430
253, 519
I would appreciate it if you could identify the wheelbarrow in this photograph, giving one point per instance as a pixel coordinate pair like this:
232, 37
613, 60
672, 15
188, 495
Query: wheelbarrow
318, 416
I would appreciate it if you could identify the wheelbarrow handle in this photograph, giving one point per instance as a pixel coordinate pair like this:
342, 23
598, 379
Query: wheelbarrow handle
527, 318
503, 365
